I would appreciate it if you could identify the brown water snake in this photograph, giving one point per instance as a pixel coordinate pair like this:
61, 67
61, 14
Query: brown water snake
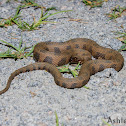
51, 54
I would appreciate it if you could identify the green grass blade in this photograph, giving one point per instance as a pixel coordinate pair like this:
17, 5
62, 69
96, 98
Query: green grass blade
57, 120
124, 41
48, 9
77, 67
16, 22
63, 70
45, 17
122, 48
18, 10
74, 73
10, 45
41, 20
51, 8
7, 54
86, 87
28, 54
106, 122
120, 33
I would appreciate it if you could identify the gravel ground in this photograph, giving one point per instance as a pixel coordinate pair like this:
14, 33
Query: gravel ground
34, 97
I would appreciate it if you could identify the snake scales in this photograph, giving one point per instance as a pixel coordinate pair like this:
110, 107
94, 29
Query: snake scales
51, 54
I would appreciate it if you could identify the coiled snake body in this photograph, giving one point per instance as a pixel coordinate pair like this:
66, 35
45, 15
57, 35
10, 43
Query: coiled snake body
52, 54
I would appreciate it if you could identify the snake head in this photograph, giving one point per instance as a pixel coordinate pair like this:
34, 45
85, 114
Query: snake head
75, 60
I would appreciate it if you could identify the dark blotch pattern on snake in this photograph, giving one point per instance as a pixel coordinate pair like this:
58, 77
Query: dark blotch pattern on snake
51, 54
